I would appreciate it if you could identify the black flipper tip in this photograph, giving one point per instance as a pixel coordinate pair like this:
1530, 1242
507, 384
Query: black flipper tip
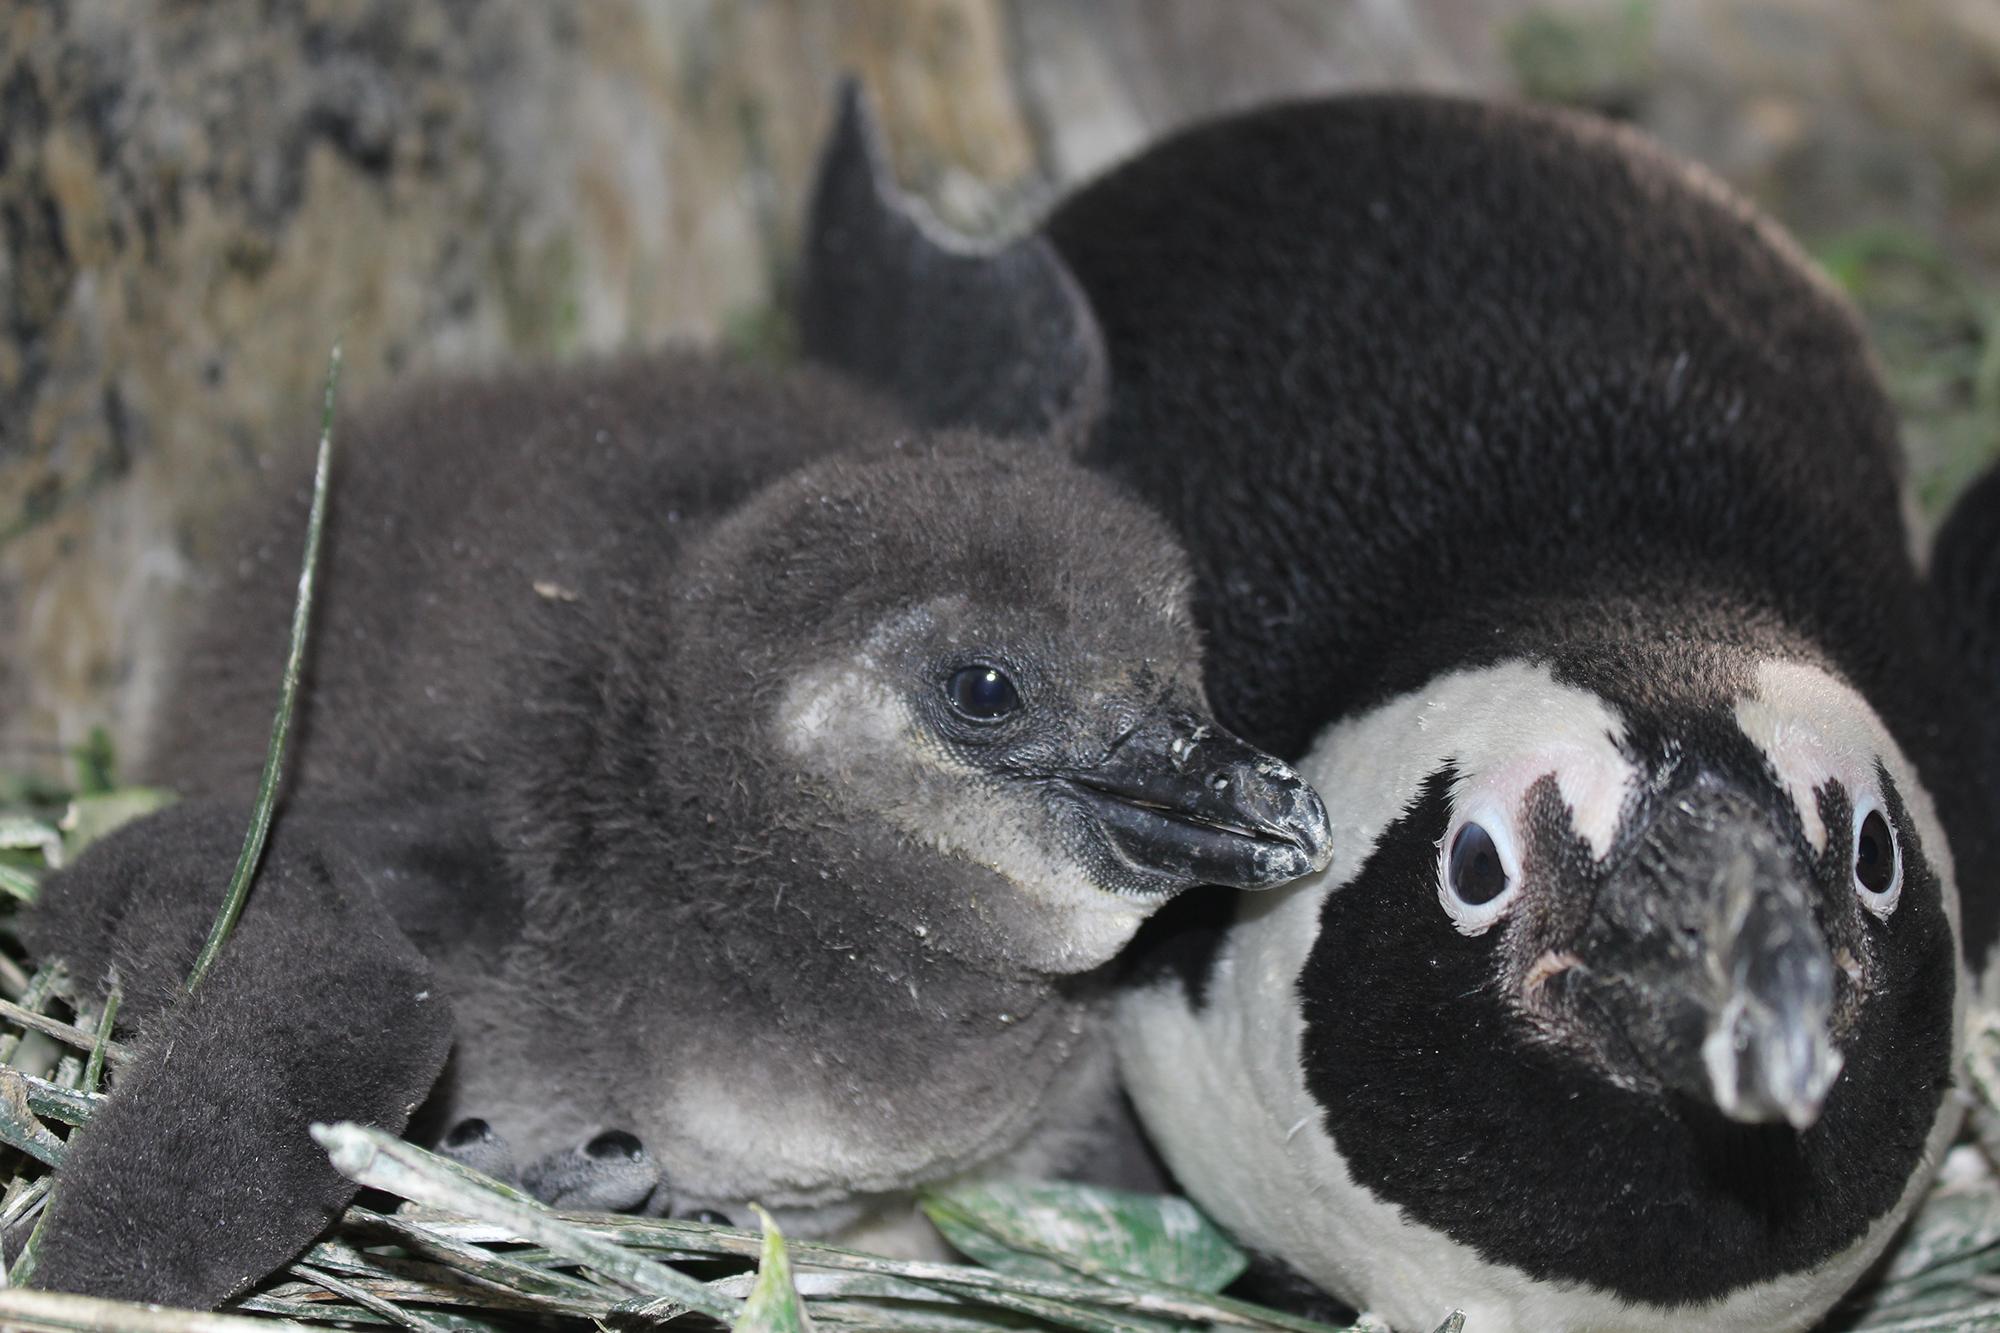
956, 332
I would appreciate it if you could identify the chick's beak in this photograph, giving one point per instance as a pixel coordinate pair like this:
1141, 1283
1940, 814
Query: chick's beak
1187, 803
1705, 953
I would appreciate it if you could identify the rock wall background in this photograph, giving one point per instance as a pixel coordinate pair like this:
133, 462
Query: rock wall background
195, 198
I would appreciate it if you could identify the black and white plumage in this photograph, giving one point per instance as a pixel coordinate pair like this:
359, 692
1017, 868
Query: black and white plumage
1545, 507
741, 792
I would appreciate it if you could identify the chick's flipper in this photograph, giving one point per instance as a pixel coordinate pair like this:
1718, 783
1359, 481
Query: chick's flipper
198, 1176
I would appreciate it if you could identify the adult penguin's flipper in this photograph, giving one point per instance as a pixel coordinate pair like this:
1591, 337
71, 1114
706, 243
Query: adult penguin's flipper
1965, 595
197, 1176
958, 334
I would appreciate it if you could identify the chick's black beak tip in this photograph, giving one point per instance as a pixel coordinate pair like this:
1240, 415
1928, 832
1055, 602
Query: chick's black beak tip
1195, 805
1305, 822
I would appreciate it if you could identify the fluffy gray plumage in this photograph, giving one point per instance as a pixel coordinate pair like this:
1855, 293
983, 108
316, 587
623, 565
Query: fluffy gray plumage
635, 773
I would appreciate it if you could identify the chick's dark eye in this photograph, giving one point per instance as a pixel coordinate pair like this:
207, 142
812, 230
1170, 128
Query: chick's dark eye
1875, 854
981, 693
1474, 870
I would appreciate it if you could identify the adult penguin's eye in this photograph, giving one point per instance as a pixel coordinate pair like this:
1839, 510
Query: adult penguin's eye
982, 693
1477, 878
1474, 871
1878, 863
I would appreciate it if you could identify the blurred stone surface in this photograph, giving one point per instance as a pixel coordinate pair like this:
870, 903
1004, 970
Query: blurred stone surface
195, 199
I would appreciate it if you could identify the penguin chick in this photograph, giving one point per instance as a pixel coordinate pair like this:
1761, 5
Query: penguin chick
731, 785
1544, 499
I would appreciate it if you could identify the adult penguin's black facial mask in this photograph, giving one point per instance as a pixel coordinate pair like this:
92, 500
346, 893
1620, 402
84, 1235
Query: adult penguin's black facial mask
1544, 507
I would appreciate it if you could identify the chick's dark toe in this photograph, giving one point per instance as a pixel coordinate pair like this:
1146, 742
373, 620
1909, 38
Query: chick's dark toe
610, 1173
474, 1143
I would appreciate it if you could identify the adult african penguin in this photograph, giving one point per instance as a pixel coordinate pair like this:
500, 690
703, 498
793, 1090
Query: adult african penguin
742, 793
1545, 508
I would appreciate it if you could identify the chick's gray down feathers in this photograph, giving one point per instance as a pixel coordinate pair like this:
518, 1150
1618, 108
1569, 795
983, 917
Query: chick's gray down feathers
629, 773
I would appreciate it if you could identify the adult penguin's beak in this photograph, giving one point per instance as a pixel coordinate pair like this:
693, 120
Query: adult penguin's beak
1705, 953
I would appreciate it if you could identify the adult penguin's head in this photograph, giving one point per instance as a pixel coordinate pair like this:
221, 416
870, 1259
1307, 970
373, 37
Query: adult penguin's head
1632, 986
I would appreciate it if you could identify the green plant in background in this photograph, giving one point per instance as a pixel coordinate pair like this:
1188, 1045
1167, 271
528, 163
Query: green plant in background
760, 335
96, 762
1601, 59
44, 827
1935, 324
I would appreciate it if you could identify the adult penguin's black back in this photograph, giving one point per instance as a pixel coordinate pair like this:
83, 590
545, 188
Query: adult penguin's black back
1458, 360
1544, 500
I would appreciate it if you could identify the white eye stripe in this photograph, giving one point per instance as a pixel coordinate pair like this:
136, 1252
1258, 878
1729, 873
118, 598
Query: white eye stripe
1883, 903
1477, 918
1810, 700
1812, 730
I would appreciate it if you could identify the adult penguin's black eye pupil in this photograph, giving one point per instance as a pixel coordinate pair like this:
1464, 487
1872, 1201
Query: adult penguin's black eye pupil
1474, 869
1875, 855
981, 693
